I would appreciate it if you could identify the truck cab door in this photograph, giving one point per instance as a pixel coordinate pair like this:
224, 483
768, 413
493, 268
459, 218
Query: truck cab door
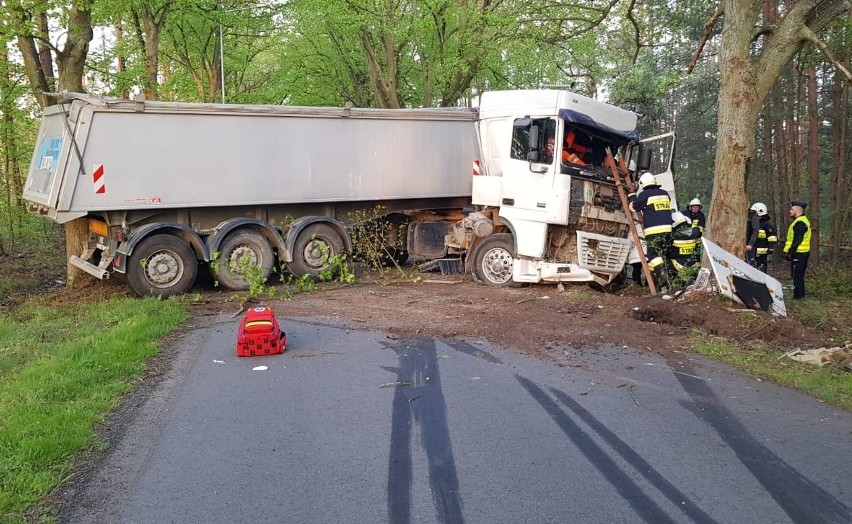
662, 149
528, 171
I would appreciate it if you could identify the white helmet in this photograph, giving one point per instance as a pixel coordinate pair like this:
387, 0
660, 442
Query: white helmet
647, 179
694, 202
759, 208
678, 218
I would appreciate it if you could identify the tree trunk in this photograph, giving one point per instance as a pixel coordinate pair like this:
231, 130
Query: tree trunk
813, 165
71, 62
153, 22
121, 62
783, 178
45, 57
840, 133
795, 135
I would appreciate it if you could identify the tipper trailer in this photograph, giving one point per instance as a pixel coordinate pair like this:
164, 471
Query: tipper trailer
167, 186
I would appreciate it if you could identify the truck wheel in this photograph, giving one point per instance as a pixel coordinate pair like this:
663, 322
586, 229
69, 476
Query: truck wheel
245, 257
315, 246
162, 265
493, 261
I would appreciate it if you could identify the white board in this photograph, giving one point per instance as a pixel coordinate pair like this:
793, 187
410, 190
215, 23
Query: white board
725, 264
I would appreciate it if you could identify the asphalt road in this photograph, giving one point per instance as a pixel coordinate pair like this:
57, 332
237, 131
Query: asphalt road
356, 426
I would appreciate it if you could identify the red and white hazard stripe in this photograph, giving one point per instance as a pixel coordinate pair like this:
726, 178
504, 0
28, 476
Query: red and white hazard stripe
99, 179
476, 169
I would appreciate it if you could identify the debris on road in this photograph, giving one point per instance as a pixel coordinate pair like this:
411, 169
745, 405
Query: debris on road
397, 384
841, 355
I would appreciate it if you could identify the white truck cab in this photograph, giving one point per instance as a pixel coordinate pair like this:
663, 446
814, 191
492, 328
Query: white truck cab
559, 205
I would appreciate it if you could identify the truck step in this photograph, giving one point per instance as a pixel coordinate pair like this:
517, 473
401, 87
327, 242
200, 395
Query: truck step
448, 266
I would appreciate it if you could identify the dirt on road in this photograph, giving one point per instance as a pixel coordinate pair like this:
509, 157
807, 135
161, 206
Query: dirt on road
538, 319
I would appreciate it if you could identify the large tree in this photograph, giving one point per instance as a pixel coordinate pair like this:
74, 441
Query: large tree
753, 53
30, 25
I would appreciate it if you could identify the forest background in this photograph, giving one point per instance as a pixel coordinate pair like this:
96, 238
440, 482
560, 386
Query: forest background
757, 91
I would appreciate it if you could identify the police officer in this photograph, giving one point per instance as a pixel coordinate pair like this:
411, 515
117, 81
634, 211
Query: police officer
797, 248
761, 241
655, 204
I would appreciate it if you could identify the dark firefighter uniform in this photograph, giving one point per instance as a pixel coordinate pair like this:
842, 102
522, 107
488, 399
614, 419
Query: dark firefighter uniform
797, 248
655, 205
764, 242
698, 220
684, 252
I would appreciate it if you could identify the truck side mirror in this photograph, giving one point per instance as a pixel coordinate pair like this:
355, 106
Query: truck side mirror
645, 159
532, 156
533, 138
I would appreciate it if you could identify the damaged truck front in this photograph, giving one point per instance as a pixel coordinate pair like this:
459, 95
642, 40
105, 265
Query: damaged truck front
544, 197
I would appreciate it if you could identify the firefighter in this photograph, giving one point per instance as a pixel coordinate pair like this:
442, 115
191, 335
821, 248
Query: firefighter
797, 248
572, 151
762, 241
683, 252
694, 213
655, 204
752, 228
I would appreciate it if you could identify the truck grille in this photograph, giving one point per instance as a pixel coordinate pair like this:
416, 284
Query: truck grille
601, 253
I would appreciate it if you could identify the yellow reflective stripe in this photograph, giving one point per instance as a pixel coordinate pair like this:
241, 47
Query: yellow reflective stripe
772, 238
656, 262
660, 202
259, 323
763, 251
656, 230
761, 234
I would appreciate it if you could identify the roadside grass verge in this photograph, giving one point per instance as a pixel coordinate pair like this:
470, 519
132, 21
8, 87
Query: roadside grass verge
62, 370
828, 384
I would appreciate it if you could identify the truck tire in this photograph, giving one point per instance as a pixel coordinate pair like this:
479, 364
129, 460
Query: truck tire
493, 261
162, 265
314, 247
244, 257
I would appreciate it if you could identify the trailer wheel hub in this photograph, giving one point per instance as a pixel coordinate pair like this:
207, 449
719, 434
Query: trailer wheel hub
242, 258
316, 254
163, 268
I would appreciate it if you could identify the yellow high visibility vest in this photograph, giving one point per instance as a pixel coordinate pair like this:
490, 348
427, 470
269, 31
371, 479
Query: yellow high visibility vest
805, 246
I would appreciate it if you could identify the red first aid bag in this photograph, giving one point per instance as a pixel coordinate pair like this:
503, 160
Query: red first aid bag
260, 334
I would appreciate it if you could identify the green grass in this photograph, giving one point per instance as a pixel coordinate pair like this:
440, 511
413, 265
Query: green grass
61, 371
828, 384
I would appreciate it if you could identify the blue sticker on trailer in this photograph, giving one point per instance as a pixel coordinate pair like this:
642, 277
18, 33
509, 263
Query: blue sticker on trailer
48, 153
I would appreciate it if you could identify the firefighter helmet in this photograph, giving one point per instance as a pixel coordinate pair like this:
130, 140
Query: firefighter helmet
678, 218
695, 202
759, 208
647, 179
